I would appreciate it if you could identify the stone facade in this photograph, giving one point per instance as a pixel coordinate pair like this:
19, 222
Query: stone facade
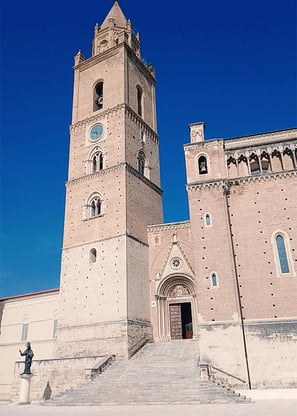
226, 277
31, 317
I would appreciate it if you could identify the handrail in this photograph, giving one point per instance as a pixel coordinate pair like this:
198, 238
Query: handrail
99, 367
139, 344
228, 374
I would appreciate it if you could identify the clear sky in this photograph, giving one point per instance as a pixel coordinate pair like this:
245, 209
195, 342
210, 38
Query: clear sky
231, 64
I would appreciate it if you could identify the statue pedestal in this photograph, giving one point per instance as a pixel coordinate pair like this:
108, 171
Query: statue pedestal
25, 388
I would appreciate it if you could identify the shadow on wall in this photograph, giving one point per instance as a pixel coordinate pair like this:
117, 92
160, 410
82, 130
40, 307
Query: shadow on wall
47, 392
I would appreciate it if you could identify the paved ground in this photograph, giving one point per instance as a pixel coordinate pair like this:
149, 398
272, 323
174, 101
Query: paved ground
284, 407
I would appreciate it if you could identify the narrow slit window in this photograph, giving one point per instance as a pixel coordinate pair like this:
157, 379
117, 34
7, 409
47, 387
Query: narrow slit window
207, 220
139, 100
214, 280
141, 162
100, 161
55, 327
24, 332
282, 254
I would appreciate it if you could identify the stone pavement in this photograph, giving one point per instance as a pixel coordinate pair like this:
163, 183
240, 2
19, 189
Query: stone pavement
285, 407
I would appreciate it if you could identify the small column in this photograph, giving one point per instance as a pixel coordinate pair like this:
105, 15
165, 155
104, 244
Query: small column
25, 388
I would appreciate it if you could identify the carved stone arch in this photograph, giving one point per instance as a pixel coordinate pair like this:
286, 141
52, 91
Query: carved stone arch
232, 166
94, 206
276, 161
176, 291
95, 160
173, 280
254, 164
288, 159
242, 165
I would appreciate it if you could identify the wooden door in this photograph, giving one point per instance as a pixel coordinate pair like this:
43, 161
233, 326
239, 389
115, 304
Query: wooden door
175, 321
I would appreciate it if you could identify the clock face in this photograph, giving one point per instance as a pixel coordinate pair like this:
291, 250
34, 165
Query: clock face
96, 132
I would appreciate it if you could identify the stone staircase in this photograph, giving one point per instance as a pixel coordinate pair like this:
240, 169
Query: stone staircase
160, 373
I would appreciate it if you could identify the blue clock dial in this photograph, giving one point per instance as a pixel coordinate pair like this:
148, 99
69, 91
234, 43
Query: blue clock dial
96, 132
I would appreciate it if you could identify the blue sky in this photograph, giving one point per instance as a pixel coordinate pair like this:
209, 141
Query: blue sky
231, 64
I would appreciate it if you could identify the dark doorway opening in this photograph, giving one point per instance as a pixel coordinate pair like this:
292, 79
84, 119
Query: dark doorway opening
181, 321
186, 315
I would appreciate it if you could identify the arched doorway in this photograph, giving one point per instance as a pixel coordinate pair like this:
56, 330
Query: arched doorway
176, 304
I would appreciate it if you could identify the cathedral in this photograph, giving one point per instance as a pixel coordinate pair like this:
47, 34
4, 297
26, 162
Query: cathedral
226, 277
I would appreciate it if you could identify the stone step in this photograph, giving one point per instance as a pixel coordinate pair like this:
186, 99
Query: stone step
160, 373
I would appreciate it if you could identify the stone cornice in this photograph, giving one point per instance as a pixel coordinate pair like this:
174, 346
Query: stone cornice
237, 143
31, 300
140, 64
249, 322
242, 180
139, 121
91, 242
135, 173
199, 145
100, 324
30, 295
261, 147
261, 139
97, 58
92, 176
74, 128
120, 166
168, 226
82, 124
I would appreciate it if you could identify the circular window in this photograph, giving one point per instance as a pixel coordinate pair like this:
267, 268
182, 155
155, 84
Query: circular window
96, 132
176, 263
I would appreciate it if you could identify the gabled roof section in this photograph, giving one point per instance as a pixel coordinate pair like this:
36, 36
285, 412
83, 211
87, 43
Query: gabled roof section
117, 14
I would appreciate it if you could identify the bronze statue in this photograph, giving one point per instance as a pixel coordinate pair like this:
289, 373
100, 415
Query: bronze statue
28, 353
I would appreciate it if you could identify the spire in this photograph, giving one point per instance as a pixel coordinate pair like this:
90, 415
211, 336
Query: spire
117, 15
115, 30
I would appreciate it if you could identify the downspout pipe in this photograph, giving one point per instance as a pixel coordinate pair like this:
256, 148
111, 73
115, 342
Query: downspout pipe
226, 191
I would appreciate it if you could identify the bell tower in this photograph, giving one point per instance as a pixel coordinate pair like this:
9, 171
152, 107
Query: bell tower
112, 194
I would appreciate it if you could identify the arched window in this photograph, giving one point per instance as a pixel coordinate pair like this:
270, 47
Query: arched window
94, 207
254, 164
97, 162
103, 46
141, 162
282, 254
207, 220
232, 166
139, 100
98, 96
265, 162
288, 159
214, 280
93, 255
202, 165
